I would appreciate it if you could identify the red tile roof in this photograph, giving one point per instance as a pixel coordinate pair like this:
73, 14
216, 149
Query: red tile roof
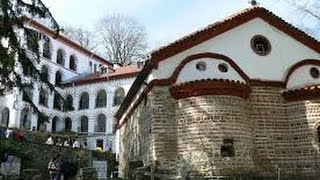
119, 73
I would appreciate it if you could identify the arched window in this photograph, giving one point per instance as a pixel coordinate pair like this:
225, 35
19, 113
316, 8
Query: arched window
118, 96
100, 124
25, 119
32, 40
68, 106
60, 57
84, 101
58, 78
68, 124
84, 124
46, 50
72, 63
45, 73
56, 101
5, 114
43, 97
27, 94
41, 122
101, 99
54, 124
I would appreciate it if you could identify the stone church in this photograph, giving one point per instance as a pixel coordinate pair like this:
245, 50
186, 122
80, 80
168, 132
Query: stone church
239, 97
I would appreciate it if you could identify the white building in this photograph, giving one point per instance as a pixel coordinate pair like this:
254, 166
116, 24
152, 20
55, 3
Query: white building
93, 87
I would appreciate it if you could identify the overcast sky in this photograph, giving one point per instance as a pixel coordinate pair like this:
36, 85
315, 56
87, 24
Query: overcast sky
164, 20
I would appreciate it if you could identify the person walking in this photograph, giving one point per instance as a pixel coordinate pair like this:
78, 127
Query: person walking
54, 168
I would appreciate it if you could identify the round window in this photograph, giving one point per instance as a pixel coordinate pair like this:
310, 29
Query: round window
314, 72
201, 66
260, 45
223, 68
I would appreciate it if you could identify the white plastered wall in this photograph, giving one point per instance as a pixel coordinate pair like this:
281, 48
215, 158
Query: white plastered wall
301, 77
235, 44
190, 73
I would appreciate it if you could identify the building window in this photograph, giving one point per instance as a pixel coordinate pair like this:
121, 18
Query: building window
84, 124
25, 121
56, 101
118, 96
68, 124
60, 57
95, 67
54, 123
101, 99
46, 50
260, 45
100, 124
99, 143
201, 66
43, 97
41, 126
68, 105
84, 101
227, 149
314, 72
5, 115
90, 66
27, 94
72, 63
223, 68
32, 40
44, 73
58, 78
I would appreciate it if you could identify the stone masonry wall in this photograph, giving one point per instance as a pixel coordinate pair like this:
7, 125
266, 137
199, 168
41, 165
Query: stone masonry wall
136, 139
285, 134
164, 131
271, 131
184, 137
203, 124
304, 118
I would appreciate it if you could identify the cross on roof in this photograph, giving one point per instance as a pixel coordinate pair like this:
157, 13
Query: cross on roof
253, 2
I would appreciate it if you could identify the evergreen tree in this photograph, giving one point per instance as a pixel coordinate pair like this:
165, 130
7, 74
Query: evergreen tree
19, 53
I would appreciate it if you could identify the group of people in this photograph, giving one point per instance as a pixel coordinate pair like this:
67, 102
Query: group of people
76, 143
12, 134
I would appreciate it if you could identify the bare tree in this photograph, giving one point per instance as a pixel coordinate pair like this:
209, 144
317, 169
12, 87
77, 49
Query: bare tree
307, 9
81, 36
123, 39
311, 7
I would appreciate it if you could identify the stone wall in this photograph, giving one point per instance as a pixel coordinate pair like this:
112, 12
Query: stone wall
304, 119
36, 156
185, 137
136, 139
271, 131
40, 155
215, 135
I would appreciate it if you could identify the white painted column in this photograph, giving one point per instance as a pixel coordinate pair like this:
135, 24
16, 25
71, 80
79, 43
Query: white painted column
14, 117
35, 99
49, 125
91, 125
75, 124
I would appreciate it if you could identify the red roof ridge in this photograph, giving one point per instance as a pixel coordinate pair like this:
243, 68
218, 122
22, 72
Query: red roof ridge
123, 72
